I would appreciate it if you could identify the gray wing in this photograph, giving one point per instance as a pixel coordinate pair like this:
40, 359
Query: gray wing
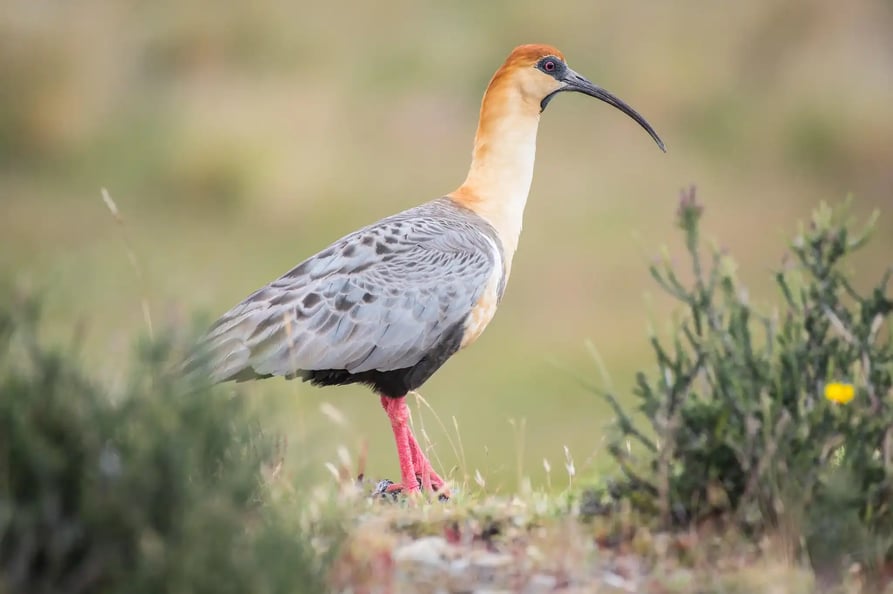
377, 299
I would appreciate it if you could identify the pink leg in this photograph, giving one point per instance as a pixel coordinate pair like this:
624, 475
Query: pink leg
413, 462
398, 413
430, 479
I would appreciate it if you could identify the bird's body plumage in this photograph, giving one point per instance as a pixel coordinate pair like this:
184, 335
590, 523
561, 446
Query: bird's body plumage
388, 305
385, 305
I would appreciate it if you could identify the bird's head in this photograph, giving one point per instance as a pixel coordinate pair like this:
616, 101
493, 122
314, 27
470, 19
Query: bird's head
539, 72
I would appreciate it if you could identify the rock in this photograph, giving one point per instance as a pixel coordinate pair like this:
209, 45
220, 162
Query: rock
616, 583
460, 578
429, 550
491, 569
540, 583
421, 566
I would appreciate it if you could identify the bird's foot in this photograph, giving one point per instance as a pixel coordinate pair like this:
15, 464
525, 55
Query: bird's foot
387, 489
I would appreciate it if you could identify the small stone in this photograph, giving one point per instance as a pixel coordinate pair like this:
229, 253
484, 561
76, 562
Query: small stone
540, 583
420, 566
491, 568
616, 583
459, 566
487, 560
429, 550
533, 552
460, 579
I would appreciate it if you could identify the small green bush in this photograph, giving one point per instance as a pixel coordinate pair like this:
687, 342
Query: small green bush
158, 488
741, 420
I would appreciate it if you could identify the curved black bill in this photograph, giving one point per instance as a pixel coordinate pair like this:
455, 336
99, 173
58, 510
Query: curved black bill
575, 82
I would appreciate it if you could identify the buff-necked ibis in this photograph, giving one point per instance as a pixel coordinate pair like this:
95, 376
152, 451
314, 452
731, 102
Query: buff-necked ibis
387, 305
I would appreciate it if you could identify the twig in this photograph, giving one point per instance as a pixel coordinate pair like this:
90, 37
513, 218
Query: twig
131, 255
421, 400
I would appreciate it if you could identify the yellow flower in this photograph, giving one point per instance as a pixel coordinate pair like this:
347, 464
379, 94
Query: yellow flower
839, 393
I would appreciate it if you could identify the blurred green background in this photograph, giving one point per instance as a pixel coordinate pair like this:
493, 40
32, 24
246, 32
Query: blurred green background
238, 138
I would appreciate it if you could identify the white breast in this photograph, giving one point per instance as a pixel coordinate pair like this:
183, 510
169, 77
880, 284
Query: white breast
485, 308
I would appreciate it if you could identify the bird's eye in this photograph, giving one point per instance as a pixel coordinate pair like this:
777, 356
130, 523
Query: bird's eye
551, 65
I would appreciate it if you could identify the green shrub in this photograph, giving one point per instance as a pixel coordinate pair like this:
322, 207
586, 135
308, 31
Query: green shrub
158, 488
740, 411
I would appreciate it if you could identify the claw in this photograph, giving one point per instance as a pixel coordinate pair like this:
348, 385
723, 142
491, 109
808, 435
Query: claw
385, 489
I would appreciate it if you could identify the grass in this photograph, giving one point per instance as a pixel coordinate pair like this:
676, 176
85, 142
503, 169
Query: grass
538, 537
550, 536
236, 140
224, 136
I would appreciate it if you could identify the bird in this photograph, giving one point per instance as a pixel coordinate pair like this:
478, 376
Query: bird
389, 304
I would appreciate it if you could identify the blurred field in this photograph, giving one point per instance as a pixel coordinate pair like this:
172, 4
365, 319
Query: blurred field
239, 138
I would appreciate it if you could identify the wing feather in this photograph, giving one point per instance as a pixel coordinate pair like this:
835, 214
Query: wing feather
378, 299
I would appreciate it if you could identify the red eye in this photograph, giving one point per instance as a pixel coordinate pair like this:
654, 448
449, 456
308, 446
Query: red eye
549, 66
